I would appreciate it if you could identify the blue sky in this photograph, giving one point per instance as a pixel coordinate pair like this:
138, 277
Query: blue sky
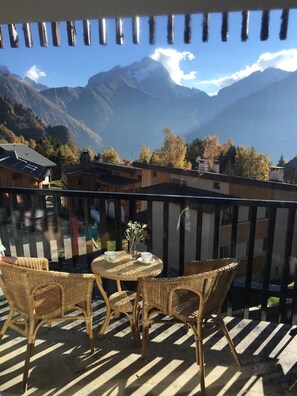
207, 66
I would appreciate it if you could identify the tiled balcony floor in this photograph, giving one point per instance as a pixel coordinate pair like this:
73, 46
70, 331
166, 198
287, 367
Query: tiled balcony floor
62, 364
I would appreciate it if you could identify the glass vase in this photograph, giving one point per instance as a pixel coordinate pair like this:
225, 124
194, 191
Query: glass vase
133, 251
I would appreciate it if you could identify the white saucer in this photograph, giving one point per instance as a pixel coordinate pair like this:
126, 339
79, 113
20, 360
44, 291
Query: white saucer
145, 262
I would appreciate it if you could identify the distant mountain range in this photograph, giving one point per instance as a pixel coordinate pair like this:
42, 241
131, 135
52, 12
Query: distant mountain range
126, 107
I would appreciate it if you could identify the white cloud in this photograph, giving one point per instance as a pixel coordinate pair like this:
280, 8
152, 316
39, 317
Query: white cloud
285, 59
34, 73
171, 59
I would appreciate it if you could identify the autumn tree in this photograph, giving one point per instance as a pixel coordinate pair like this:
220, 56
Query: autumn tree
111, 156
227, 158
212, 149
281, 161
145, 154
194, 149
173, 151
249, 163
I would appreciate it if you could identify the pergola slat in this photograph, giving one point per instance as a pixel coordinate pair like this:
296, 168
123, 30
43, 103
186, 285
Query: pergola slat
170, 29
1, 38
188, 29
71, 33
284, 25
245, 26
152, 30
13, 36
205, 24
102, 32
42, 34
56, 34
225, 27
135, 30
87, 31
265, 25
119, 31
28, 35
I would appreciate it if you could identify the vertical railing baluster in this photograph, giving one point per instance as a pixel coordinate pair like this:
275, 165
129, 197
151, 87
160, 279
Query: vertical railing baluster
149, 226
233, 241
16, 231
199, 234
250, 258
268, 259
216, 236
286, 268
117, 223
181, 260
73, 226
103, 226
165, 236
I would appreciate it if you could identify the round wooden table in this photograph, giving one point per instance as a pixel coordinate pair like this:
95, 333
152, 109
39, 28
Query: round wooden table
124, 268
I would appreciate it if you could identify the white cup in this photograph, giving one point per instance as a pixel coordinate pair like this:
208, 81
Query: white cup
110, 255
146, 257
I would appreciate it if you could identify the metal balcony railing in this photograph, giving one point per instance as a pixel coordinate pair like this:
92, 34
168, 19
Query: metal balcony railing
70, 228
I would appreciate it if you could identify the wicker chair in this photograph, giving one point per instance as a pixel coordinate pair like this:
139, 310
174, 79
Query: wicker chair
37, 296
195, 299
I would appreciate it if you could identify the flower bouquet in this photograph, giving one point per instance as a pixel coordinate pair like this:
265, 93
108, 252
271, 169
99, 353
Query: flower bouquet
134, 235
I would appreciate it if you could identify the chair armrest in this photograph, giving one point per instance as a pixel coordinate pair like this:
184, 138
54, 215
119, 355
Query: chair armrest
39, 263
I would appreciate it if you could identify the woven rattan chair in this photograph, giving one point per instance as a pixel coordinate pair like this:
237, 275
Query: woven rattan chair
37, 296
195, 299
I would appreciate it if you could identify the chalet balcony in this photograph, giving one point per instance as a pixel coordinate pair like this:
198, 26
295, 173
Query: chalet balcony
261, 308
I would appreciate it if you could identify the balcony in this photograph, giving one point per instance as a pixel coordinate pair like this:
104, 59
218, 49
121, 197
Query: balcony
261, 307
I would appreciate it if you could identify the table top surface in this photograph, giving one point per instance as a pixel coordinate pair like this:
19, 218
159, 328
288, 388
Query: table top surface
126, 268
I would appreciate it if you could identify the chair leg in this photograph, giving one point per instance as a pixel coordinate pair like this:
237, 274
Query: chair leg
6, 323
230, 342
145, 336
89, 330
200, 354
29, 352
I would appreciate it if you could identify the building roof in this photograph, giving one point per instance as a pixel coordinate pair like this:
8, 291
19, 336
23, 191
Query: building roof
178, 189
26, 153
291, 164
218, 177
9, 160
115, 180
71, 11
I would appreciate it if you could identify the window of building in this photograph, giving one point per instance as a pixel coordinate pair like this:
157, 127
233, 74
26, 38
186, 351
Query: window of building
79, 182
216, 185
154, 174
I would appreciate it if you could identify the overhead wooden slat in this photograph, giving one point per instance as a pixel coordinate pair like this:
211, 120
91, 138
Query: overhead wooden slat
188, 29
224, 31
87, 31
205, 24
245, 26
102, 32
28, 35
13, 36
152, 30
135, 30
71, 33
265, 25
119, 31
42, 34
75, 10
170, 29
56, 34
1, 38
284, 25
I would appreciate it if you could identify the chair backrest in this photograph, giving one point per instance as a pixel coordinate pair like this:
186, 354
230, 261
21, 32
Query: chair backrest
218, 275
40, 263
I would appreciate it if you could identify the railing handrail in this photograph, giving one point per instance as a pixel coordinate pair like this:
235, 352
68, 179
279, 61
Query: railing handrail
155, 197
